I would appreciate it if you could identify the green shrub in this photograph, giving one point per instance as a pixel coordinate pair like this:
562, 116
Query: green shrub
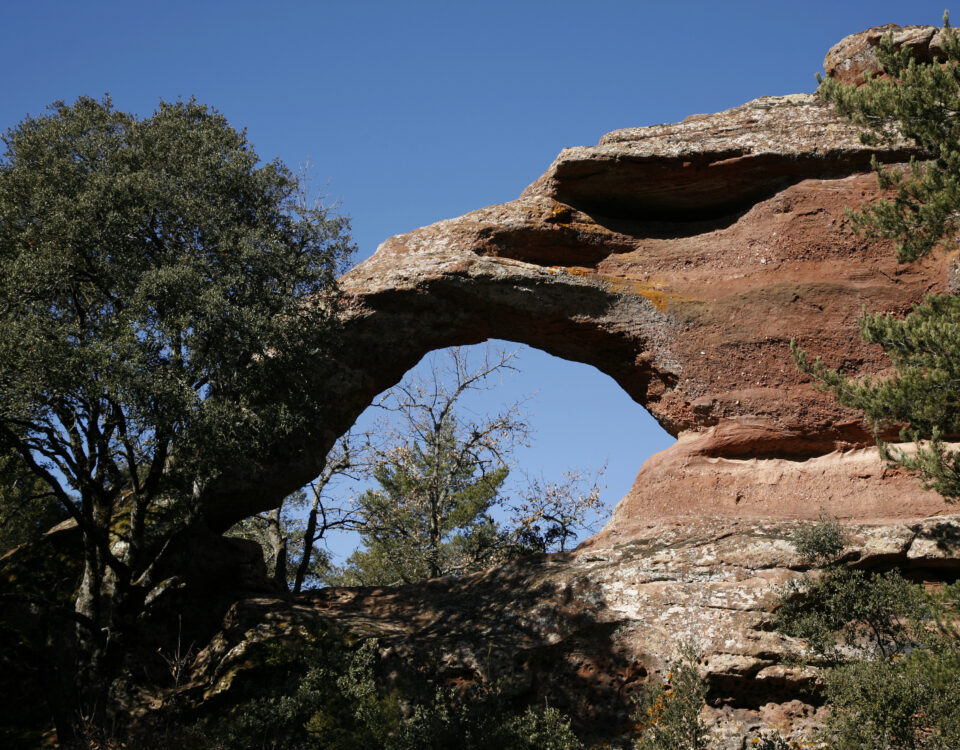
865, 613
668, 714
479, 718
893, 651
821, 542
912, 701
337, 703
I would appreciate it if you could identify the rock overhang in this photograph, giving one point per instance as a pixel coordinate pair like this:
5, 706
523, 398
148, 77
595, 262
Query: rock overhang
709, 166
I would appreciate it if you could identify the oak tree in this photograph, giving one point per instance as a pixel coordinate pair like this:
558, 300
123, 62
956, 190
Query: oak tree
158, 285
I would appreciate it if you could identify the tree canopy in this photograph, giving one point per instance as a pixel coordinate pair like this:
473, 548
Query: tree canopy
158, 298
440, 504
438, 478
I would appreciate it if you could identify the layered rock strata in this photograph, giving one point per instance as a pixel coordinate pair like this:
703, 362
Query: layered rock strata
584, 631
681, 260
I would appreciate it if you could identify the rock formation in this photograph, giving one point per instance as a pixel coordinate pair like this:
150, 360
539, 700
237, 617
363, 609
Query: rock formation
584, 631
681, 260
853, 59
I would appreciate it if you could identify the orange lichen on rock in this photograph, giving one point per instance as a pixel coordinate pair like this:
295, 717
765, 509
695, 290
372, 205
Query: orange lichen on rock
625, 285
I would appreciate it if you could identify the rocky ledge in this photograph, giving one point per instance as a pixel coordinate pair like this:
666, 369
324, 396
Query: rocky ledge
583, 631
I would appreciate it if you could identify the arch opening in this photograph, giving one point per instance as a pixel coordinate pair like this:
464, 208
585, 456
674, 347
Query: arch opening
581, 419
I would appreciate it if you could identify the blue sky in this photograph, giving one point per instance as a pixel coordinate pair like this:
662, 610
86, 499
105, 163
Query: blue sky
420, 111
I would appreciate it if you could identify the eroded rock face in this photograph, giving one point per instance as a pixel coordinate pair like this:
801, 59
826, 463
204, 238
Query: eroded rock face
583, 631
681, 260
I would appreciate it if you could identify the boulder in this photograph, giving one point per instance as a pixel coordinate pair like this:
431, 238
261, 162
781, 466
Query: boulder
853, 60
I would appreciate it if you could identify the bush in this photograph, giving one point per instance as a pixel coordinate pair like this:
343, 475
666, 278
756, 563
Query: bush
668, 714
908, 702
893, 652
821, 542
479, 718
852, 612
337, 703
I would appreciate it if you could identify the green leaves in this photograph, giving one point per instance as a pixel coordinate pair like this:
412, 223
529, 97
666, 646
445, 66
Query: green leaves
922, 397
154, 330
150, 270
439, 475
430, 516
668, 713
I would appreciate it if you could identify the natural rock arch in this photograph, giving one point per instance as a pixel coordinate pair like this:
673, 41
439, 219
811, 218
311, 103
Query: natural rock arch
681, 260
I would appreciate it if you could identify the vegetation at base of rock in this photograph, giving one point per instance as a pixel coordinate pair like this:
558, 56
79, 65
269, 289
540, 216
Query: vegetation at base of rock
896, 686
918, 101
329, 694
908, 703
820, 542
891, 649
153, 332
843, 609
668, 713
440, 476
772, 740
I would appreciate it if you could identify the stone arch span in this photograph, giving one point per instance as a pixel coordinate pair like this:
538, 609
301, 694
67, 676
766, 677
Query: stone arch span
680, 260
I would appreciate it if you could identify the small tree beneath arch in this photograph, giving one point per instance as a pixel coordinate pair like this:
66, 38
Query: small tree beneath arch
440, 485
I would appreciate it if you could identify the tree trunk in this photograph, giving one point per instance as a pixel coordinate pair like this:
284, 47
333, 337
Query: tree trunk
308, 540
91, 641
278, 540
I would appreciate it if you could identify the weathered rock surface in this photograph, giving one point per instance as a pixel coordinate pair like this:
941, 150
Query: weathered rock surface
584, 631
679, 259
853, 59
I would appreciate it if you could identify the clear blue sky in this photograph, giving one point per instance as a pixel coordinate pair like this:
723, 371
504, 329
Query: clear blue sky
419, 111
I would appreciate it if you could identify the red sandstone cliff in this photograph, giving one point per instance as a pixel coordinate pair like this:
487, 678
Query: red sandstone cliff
681, 260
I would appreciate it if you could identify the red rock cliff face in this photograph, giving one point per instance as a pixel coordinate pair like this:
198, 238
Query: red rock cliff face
681, 260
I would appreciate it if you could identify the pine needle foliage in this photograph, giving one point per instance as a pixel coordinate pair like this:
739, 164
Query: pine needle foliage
919, 101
